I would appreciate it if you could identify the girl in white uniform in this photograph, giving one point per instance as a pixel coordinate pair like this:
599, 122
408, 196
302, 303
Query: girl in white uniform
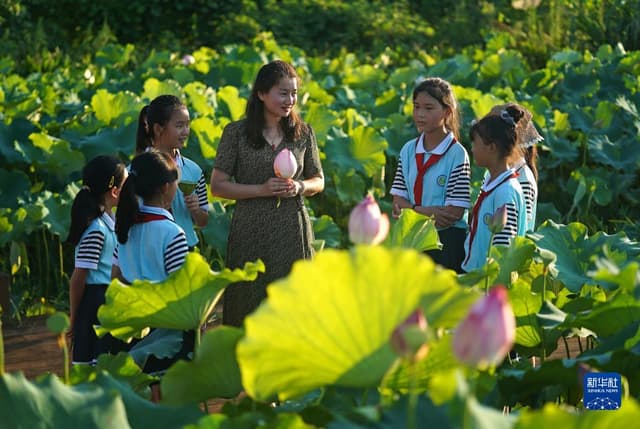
92, 232
151, 245
164, 125
494, 146
525, 165
433, 176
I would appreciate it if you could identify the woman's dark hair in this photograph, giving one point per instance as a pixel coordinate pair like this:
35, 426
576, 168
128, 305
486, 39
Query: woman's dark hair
159, 111
148, 172
101, 174
500, 128
441, 90
269, 76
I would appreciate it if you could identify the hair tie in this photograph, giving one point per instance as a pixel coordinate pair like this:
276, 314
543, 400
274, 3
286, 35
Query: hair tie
85, 188
505, 116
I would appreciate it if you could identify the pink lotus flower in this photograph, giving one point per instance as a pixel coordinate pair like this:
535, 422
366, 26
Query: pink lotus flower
488, 332
409, 339
367, 225
285, 164
499, 220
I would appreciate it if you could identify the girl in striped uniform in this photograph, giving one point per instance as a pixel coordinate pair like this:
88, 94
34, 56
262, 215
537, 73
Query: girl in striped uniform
151, 245
494, 147
164, 125
92, 232
433, 175
525, 165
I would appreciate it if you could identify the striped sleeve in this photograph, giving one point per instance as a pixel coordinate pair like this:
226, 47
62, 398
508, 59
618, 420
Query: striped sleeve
175, 253
504, 237
459, 186
201, 192
399, 187
89, 250
115, 256
529, 197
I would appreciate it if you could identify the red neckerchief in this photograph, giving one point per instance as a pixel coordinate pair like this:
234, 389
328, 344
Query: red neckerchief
422, 169
143, 217
473, 222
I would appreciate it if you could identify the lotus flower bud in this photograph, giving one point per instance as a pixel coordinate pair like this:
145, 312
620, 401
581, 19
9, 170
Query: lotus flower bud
367, 225
488, 332
409, 339
498, 220
285, 164
187, 60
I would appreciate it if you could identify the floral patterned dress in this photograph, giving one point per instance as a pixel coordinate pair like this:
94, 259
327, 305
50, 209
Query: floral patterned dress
280, 234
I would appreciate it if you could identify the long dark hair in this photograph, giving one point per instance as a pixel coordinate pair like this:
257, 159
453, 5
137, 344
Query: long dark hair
268, 76
159, 111
441, 90
500, 128
148, 172
100, 175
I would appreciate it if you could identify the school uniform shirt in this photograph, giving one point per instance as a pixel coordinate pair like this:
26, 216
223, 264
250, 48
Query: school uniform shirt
447, 182
156, 247
503, 190
529, 192
189, 172
95, 249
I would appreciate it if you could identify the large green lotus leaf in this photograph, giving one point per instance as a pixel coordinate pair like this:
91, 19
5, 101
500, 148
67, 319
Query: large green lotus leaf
364, 76
363, 149
11, 136
609, 317
161, 343
57, 208
182, 302
214, 372
253, 419
321, 119
208, 134
397, 130
526, 306
623, 154
576, 251
49, 403
414, 231
332, 318
325, 229
109, 107
229, 96
15, 184
553, 416
120, 366
202, 98
143, 413
513, 258
55, 155
154, 87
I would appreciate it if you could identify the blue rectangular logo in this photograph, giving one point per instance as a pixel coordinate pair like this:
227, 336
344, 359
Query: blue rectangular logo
602, 391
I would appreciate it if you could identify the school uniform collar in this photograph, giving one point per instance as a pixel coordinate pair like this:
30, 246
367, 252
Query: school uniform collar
108, 220
488, 186
439, 150
156, 210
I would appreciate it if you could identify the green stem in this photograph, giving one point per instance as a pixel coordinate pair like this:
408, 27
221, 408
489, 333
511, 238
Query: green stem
65, 351
61, 262
566, 347
413, 397
46, 258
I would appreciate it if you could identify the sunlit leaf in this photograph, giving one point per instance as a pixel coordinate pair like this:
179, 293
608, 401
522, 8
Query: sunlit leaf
414, 231
333, 317
181, 302
234, 103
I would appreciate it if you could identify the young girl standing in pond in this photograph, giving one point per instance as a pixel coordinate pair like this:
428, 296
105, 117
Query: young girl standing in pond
494, 147
93, 233
433, 175
270, 221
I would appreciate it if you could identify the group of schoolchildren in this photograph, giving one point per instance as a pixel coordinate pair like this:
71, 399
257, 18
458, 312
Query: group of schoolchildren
433, 176
153, 227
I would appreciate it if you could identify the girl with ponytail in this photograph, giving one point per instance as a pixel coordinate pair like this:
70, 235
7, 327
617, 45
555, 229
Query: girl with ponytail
92, 233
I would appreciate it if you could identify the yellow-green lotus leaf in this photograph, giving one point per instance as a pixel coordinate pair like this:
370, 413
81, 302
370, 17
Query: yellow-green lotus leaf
329, 322
183, 301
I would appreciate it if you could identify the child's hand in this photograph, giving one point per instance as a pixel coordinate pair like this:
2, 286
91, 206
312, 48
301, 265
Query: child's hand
192, 202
